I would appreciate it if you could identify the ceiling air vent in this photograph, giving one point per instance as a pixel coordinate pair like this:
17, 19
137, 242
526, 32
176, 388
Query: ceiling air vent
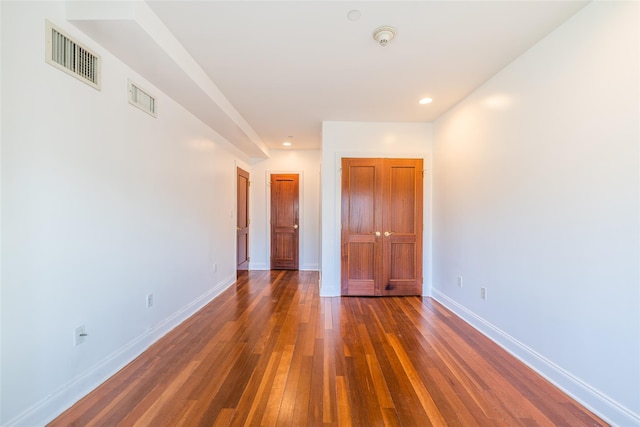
142, 99
69, 56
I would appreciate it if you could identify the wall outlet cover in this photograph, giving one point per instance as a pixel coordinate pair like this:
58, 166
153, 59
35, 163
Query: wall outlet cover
80, 335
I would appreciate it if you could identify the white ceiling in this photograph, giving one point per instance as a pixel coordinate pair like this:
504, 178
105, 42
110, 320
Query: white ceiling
285, 66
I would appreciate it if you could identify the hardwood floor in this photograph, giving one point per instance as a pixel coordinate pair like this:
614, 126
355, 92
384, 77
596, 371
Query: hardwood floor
270, 351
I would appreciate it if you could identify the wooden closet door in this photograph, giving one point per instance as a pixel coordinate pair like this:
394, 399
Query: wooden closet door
402, 225
381, 227
361, 267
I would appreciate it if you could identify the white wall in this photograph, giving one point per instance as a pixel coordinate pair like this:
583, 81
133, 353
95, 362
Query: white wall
359, 139
101, 204
1, 133
306, 163
536, 197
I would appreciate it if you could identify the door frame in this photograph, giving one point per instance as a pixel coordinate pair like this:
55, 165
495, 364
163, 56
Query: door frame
301, 218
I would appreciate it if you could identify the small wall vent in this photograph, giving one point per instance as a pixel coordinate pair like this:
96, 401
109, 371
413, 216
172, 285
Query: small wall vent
142, 99
71, 57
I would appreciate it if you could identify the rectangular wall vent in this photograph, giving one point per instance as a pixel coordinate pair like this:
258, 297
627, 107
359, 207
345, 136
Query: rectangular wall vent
71, 57
142, 99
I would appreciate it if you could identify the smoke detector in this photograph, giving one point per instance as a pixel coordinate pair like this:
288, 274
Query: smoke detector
384, 35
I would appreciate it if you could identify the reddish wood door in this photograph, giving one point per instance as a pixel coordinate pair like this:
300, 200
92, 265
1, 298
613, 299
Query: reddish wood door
284, 221
242, 229
361, 226
402, 225
381, 227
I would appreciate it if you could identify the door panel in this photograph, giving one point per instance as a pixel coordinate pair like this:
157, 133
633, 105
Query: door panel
361, 219
360, 274
284, 221
242, 229
402, 271
402, 265
381, 227
401, 199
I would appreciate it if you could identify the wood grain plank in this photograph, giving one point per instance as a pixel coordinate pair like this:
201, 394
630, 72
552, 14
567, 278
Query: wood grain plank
379, 383
423, 394
251, 405
270, 414
344, 410
224, 417
147, 418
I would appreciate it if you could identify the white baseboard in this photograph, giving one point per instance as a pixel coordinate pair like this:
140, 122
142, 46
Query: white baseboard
329, 292
259, 266
262, 267
64, 397
596, 401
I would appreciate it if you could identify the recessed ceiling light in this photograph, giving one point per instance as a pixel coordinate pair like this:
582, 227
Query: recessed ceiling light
286, 144
425, 101
354, 15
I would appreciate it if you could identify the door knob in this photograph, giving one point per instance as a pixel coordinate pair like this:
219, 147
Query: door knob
387, 233
295, 226
377, 234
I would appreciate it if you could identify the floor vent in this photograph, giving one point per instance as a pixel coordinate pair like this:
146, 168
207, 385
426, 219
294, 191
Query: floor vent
142, 99
69, 56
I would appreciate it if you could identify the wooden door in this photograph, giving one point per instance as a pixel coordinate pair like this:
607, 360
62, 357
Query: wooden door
381, 227
402, 227
242, 229
361, 226
284, 221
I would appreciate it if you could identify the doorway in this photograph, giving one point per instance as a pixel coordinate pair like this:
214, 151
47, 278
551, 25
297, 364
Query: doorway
381, 227
242, 229
285, 224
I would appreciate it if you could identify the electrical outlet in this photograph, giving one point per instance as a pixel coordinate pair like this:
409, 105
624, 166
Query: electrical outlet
483, 293
459, 281
215, 268
80, 335
149, 300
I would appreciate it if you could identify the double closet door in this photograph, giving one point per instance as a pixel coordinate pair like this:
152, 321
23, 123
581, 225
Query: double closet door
381, 250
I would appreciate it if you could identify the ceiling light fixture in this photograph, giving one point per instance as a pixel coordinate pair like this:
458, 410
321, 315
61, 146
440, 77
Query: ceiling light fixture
425, 101
384, 35
354, 15
286, 144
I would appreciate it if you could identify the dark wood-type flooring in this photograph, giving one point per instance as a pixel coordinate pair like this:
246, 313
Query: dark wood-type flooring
269, 351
